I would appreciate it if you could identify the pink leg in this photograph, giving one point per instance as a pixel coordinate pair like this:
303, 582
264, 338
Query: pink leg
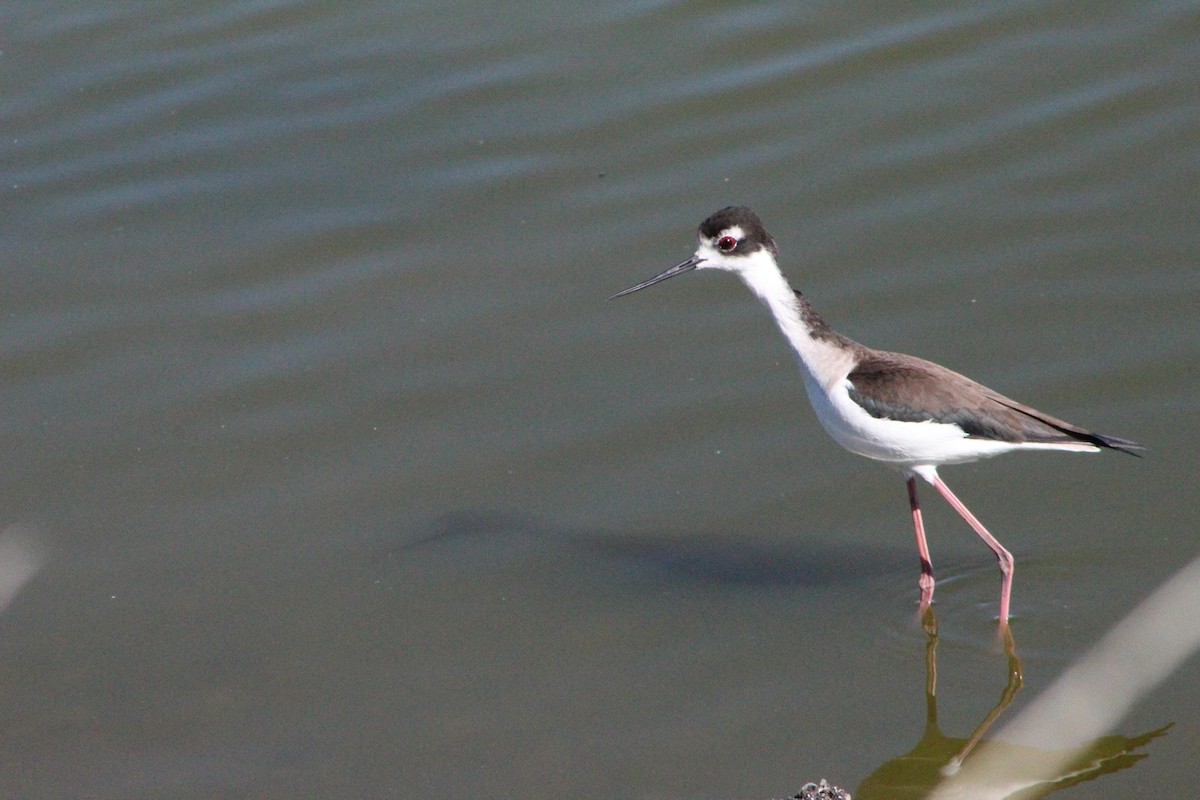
1003, 556
926, 581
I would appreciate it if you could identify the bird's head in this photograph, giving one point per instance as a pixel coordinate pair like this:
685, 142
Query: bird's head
733, 239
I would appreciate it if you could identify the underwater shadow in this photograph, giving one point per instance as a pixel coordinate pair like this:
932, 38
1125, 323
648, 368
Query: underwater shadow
722, 558
729, 559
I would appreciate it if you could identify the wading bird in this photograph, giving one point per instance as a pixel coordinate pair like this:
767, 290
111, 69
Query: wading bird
907, 412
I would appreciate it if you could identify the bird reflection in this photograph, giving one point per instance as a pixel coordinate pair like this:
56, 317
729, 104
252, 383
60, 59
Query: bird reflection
936, 756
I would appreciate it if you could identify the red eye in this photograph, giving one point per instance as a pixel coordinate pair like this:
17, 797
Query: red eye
726, 244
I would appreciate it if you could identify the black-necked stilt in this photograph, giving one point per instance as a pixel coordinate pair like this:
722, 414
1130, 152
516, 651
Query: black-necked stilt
904, 411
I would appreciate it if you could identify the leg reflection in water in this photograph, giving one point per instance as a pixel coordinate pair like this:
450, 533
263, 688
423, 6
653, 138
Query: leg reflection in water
916, 773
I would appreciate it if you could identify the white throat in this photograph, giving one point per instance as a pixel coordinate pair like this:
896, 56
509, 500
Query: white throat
823, 362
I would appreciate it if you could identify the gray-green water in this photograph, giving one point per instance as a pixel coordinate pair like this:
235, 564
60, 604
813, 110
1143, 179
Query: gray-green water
350, 483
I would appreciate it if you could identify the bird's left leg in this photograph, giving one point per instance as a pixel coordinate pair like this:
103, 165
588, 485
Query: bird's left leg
926, 580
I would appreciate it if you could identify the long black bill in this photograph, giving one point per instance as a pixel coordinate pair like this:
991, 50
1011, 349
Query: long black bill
678, 269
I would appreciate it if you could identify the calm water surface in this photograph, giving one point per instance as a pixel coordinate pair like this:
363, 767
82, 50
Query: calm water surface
344, 480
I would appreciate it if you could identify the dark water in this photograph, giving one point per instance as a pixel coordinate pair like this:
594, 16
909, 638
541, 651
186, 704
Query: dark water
338, 477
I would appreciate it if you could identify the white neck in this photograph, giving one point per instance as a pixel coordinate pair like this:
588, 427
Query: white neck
824, 362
